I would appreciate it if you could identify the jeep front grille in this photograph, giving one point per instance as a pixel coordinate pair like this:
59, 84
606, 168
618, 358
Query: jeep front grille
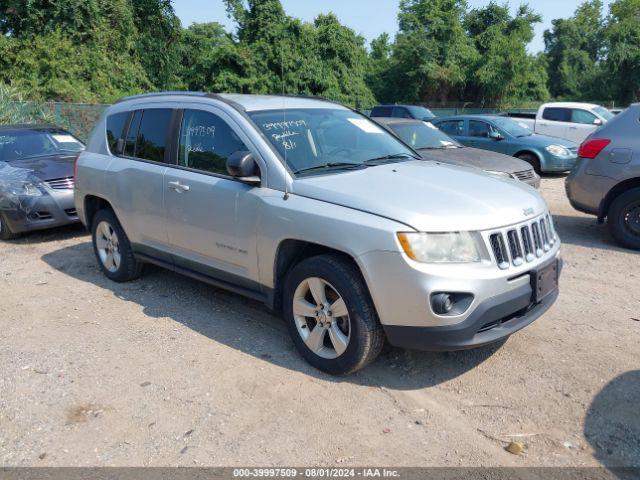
523, 243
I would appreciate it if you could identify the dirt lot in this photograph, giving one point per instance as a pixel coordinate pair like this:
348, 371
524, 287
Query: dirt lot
169, 371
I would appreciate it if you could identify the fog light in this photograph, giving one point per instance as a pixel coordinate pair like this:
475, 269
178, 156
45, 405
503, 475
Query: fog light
442, 303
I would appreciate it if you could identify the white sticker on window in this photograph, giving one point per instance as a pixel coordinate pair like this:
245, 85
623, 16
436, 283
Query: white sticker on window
64, 139
365, 125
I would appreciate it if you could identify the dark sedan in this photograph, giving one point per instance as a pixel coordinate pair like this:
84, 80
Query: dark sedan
36, 178
433, 144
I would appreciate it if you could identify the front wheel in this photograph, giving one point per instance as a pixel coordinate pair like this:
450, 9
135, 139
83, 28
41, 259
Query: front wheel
532, 160
112, 248
330, 315
624, 219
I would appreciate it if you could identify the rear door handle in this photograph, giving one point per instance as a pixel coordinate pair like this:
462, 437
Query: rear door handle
178, 187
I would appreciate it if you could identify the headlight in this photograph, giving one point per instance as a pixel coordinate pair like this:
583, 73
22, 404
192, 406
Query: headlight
499, 174
24, 189
454, 247
558, 151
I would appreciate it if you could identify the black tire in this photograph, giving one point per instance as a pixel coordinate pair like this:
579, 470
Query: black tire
623, 219
129, 268
366, 337
532, 160
5, 231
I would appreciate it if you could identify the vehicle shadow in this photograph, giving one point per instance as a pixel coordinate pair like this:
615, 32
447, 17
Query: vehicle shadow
612, 423
248, 326
585, 232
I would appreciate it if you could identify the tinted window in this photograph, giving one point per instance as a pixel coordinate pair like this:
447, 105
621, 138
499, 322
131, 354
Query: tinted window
452, 127
479, 129
400, 112
115, 129
582, 116
557, 114
381, 112
130, 144
152, 135
206, 141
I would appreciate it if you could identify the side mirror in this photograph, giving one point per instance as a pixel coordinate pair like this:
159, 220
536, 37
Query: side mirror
242, 166
495, 135
597, 122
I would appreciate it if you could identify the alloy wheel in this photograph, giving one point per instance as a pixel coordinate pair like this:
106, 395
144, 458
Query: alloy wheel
108, 246
321, 318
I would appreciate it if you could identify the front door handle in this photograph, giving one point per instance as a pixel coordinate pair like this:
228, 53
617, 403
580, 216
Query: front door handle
178, 187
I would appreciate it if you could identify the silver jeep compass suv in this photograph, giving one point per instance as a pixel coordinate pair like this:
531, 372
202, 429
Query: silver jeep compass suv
323, 215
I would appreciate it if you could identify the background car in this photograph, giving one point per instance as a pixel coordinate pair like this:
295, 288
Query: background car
503, 135
403, 111
606, 179
36, 178
434, 144
569, 120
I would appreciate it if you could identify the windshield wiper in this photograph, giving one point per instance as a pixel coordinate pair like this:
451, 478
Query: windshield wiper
395, 156
331, 165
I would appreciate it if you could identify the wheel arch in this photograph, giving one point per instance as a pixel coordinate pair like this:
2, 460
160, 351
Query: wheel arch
527, 151
291, 252
616, 191
92, 205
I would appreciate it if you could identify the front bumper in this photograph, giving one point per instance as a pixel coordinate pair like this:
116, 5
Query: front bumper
52, 209
491, 321
558, 164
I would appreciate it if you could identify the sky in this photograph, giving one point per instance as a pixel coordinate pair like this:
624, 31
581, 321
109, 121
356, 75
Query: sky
369, 18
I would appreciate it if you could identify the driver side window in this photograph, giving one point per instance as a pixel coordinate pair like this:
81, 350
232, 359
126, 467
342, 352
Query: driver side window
206, 141
583, 117
479, 129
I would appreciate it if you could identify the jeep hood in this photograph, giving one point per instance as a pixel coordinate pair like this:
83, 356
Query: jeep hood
428, 196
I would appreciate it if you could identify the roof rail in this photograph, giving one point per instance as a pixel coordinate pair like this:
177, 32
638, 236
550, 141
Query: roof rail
162, 94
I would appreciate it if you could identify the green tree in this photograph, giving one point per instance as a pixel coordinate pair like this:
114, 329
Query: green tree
503, 70
622, 44
574, 48
431, 51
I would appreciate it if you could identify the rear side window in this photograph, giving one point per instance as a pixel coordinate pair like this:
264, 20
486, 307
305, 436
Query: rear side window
115, 129
452, 127
557, 114
153, 134
206, 141
381, 112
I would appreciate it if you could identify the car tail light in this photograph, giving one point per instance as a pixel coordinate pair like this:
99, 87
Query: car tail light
592, 148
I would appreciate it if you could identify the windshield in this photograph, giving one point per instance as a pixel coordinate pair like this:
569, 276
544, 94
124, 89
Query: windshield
312, 140
21, 144
512, 127
420, 112
604, 113
423, 135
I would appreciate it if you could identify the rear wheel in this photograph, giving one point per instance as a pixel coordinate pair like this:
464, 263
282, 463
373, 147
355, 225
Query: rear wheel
112, 248
532, 160
624, 219
330, 315
5, 231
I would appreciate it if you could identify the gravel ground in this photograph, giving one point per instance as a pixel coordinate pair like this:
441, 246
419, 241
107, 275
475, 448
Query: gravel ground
167, 371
